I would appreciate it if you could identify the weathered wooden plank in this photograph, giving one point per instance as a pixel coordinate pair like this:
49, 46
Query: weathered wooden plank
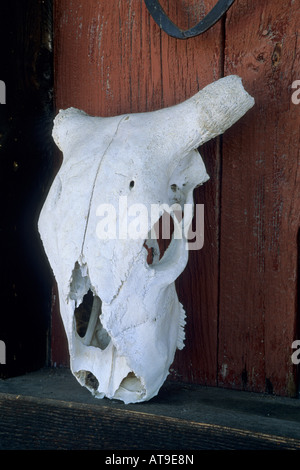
111, 58
260, 202
43, 423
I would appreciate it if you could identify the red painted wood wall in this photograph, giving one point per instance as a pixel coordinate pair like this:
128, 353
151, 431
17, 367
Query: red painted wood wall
240, 290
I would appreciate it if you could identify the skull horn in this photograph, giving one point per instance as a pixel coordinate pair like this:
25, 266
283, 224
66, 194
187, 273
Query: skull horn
181, 128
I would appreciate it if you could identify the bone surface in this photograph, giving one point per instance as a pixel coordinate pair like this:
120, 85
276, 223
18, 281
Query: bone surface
120, 311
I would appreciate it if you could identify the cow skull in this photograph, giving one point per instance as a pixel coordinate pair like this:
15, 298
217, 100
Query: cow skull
121, 314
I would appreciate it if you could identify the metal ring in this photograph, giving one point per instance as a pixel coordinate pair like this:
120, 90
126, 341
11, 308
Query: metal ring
164, 22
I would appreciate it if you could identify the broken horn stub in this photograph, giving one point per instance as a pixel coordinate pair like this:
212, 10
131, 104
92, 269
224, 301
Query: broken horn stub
67, 125
73, 126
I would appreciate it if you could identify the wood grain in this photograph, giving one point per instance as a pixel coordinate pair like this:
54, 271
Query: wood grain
31, 423
260, 203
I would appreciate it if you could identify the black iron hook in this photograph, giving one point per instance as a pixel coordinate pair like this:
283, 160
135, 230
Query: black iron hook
164, 22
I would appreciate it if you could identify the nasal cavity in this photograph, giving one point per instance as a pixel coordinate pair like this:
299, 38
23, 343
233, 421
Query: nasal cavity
88, 379
130, 388
88, 324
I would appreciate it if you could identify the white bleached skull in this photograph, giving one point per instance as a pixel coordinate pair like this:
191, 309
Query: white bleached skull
121, 313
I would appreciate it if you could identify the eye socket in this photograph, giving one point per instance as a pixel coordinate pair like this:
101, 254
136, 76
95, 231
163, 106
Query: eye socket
131, 184
163, 231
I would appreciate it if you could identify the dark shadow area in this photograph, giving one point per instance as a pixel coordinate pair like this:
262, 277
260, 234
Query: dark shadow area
26, 160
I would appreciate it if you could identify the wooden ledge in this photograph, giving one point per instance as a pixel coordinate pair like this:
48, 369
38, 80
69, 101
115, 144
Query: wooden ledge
48, 409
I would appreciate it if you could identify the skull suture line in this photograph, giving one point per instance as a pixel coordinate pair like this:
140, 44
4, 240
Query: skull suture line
134, 321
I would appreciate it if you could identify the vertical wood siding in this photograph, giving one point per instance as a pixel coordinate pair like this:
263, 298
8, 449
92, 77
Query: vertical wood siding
261, 202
